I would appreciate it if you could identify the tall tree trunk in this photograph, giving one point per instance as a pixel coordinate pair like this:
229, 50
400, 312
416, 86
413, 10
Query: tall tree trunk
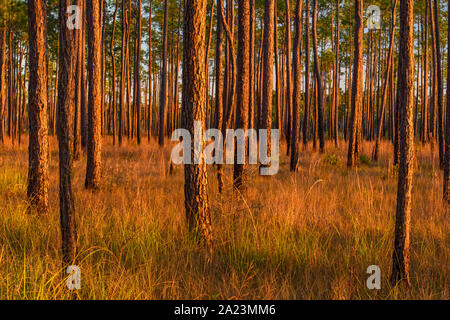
425, 78
113, 67
78, 88
243, 73
150, 87
93, 168
193, 109
288, 75
37, 191
400, 266
137, 77
319, 82
337, 77
66, 102
163, 92
297, 85
2, 83
123, 71
307, 72
219, 85
440, 90
386, 82
357, 83
447, 130
267, 89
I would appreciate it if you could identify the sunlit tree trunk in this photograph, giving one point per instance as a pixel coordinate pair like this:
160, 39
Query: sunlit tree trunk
37, 191
355, 119
193, 109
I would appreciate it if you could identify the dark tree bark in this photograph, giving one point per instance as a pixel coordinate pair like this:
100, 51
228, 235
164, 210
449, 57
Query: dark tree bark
37, 191
137, 77
2, 82
307, 72
219, 85
267, 89
163, 90
193, 109
355, 119
447, 132
440, 90
297, 85
93, 168
288, 75
337, 76
78, 89
243, 77
123, 70
318, 77
149, 133
400, 266
113, 66
66, 103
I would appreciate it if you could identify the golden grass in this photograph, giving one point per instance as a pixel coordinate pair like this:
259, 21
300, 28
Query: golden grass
309, 235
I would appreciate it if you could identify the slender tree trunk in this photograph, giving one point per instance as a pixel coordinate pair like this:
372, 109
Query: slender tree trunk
219, 85
400, 266
113, 82
93, 168
295, 137
355, 120
37, 191
243, 72
163, 92
447, 131
150, 62
66, 103
386, 82
137, 77
307, 86
440, 90
288, 75
2, 83
319, 81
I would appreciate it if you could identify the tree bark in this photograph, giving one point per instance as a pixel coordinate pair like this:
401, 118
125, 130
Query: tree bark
400, 266
66, 102
193, 109
319, 82
297, 85
163, 92
355, 120
93, 168
37, 191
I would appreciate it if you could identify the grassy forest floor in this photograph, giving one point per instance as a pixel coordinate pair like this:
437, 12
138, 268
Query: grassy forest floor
309, 235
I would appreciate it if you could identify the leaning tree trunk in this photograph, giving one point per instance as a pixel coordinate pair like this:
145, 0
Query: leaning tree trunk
318, 77
440, 90
37, 191
297, 85
66, 103
194, 109
93, 168
357, 83
400, 265
386, 82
